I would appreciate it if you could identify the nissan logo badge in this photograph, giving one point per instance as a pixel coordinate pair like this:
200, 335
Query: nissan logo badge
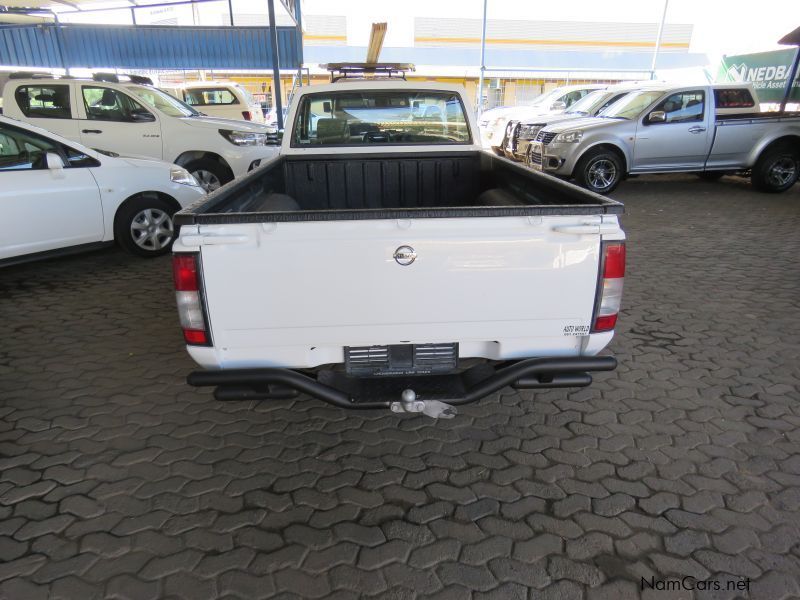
405, 255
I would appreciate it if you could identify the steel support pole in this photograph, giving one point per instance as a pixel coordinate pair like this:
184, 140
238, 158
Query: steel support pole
276, 63
658, 40
790, 81
483, 60
230, 11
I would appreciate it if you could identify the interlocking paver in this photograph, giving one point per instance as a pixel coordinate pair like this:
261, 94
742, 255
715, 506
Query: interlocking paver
117, 480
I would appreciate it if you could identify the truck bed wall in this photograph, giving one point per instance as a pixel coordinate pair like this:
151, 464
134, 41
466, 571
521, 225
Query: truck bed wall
393, 181
354, 183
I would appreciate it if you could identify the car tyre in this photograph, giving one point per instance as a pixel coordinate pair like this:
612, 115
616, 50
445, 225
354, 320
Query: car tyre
209, 173
776, 170
143, 226
599, 171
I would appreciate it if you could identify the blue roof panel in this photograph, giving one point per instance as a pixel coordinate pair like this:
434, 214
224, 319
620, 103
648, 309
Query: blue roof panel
146, 47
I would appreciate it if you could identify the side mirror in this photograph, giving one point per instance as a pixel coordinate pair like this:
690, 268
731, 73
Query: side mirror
142, 116
657, 116
559, 105
54, 161
326, 107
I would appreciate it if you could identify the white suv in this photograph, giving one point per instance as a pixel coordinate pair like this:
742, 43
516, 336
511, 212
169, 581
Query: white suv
133, 119
493, 122
223, 99
57, 196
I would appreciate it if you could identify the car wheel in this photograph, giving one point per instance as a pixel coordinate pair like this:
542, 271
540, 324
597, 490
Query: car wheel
599, 171
143, 226
776, 170
209, 173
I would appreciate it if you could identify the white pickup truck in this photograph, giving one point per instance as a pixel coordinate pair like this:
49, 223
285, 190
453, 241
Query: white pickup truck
133, 119
384, 260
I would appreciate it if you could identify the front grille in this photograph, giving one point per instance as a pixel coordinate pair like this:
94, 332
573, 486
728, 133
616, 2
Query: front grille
536, 158
528, 132
545, 137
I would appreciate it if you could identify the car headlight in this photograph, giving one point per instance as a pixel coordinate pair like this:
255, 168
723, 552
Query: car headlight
244, 138
181, 175
569, 136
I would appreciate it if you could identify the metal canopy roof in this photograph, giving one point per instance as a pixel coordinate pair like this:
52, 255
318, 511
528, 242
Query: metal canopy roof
146, 47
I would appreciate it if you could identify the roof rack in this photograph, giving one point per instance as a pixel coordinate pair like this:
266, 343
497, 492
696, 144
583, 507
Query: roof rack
114, 78
363, 70
30, 75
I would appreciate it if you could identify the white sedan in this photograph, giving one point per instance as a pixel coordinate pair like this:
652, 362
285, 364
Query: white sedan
57, 196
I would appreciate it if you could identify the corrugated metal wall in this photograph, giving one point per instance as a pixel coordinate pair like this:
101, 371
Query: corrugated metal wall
146, 47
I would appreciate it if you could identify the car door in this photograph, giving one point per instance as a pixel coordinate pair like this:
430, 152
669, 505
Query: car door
112, 120
674, 134
50, 106
43, 208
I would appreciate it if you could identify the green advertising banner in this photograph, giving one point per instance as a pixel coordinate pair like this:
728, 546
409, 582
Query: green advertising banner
767, 71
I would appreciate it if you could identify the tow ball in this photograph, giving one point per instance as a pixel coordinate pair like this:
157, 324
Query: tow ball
433, 408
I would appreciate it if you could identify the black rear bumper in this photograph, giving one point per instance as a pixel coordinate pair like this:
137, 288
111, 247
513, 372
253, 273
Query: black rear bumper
379, 392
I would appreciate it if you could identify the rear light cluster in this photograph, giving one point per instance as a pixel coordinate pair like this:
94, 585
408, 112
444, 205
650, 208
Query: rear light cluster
609, 289
248, 116
187, 295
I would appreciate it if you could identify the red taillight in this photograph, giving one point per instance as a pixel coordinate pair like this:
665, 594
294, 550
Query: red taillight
248, 116
610, 287
614, 265
194, 336
184, 270
187, 296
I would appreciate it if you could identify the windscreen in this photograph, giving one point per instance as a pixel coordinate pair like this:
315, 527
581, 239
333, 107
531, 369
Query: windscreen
629, 107
172, 107
588, 103
386, 117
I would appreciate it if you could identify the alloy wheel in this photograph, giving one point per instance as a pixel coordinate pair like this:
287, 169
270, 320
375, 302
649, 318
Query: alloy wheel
601, 174
782, 171
151, 229
208, 181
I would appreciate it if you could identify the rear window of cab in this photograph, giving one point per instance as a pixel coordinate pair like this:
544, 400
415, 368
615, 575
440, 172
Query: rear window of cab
380, 117
209, 97
733, 98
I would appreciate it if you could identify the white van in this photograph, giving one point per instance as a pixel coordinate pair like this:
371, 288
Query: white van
132, 119
224, 99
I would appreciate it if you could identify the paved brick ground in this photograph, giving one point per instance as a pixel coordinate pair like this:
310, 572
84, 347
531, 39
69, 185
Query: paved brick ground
119, 481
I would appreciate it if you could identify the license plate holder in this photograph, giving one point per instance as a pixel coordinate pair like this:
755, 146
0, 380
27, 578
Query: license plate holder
401, 359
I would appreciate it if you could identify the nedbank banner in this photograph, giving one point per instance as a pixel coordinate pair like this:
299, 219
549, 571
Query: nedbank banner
767, 71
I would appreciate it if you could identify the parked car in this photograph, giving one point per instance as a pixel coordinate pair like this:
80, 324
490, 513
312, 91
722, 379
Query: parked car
494, 121
134, 119
519, 134
58, 196
490, 274
696, 129
223, 99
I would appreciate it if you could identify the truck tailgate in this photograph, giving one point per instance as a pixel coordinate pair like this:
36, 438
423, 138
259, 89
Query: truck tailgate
497, 286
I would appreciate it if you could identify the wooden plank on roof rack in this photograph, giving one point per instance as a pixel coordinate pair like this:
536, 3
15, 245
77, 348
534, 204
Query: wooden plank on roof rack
376, 37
